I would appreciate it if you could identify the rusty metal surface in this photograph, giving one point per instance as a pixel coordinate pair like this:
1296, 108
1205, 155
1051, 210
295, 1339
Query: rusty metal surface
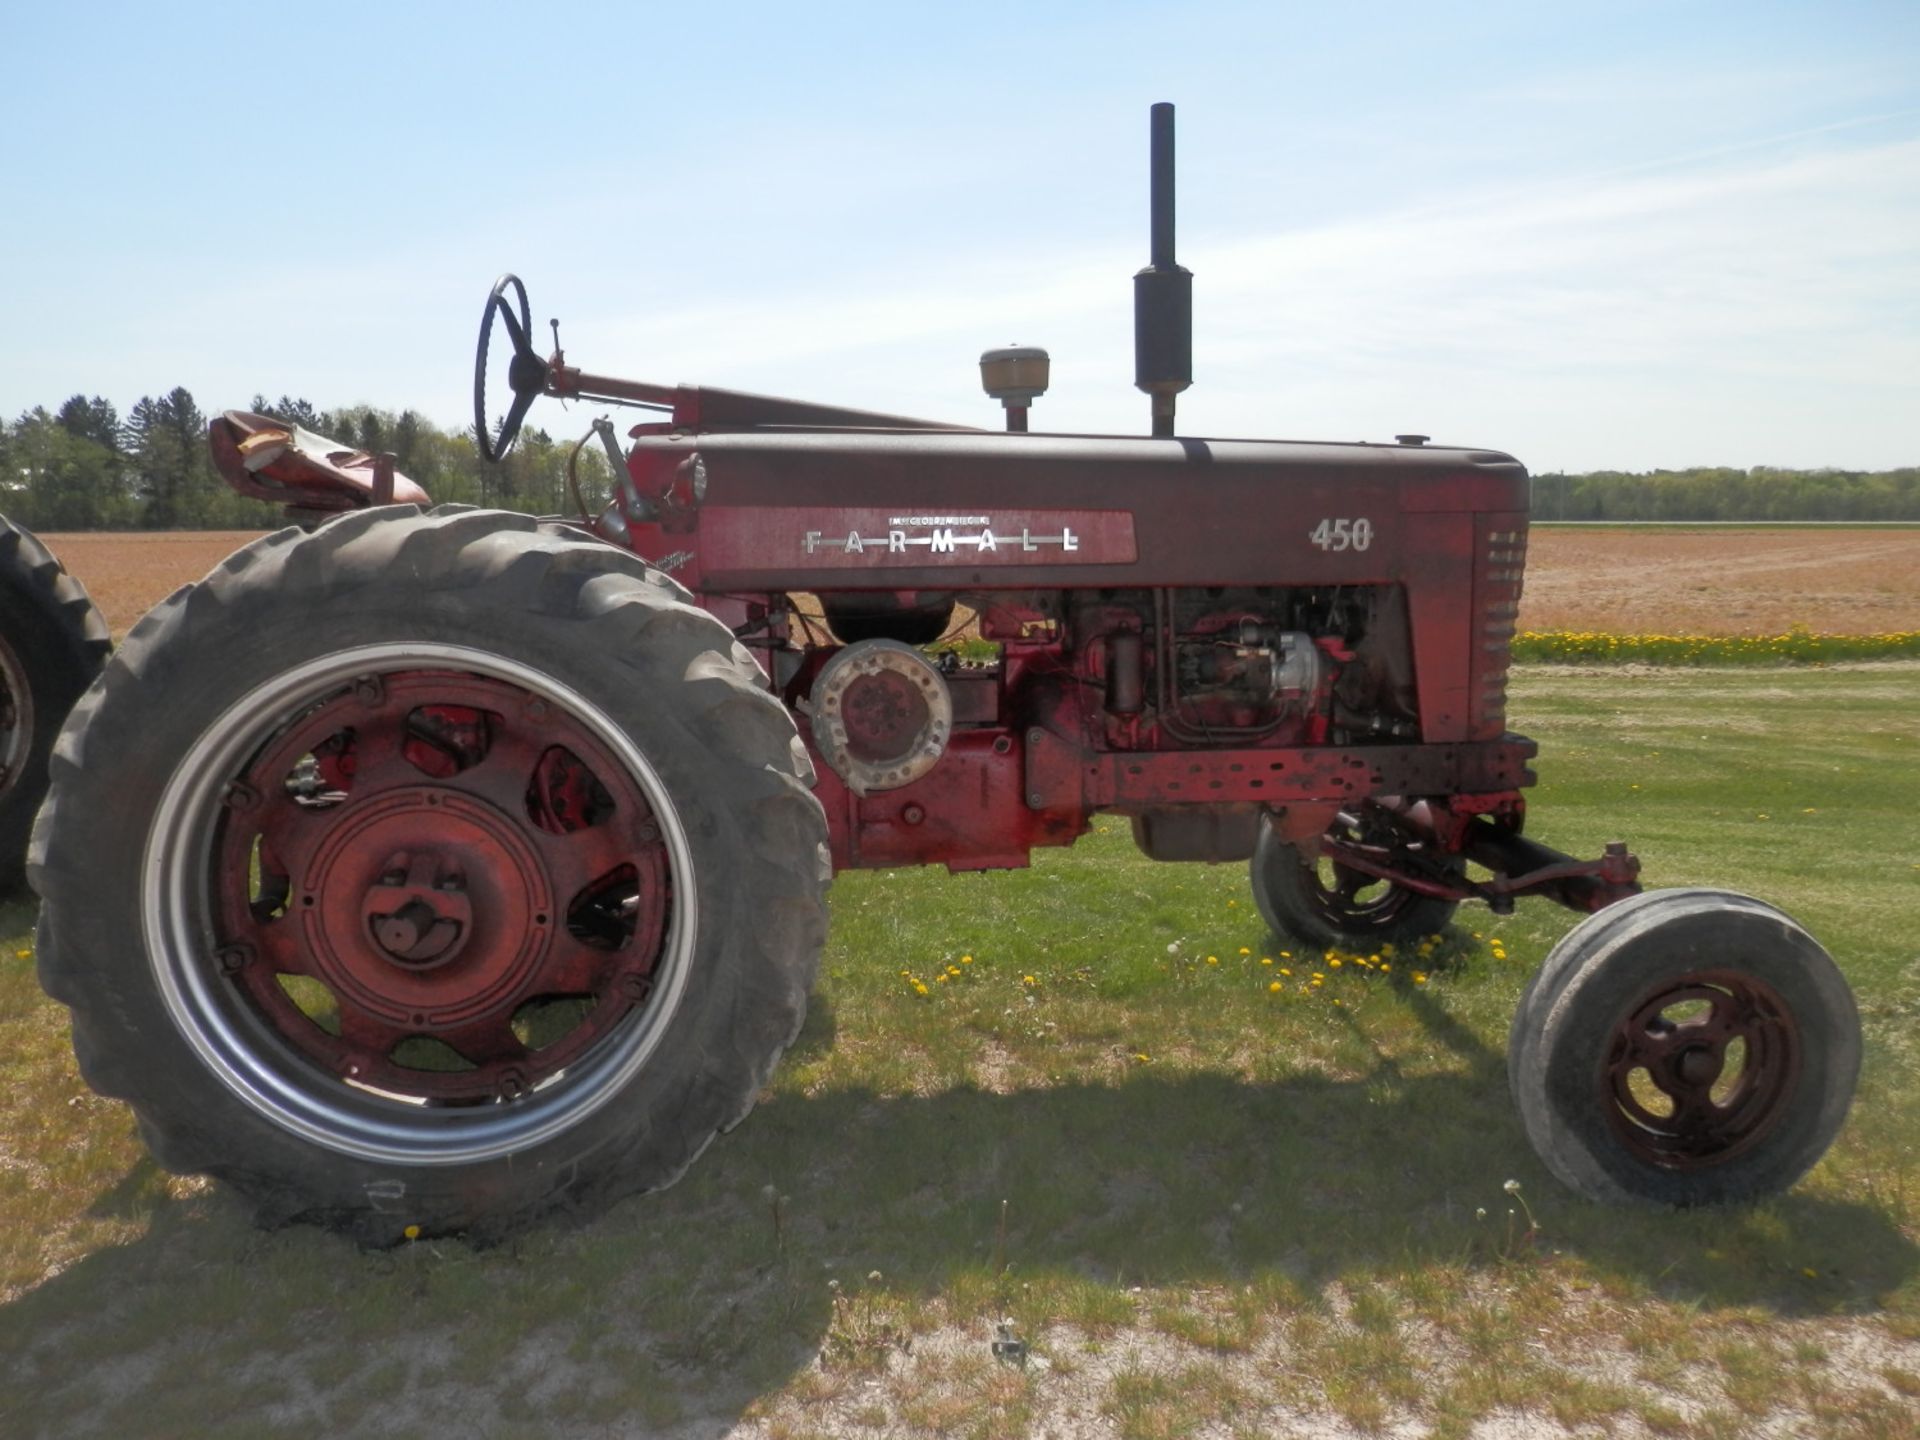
1058, 768
268, 459
1205, 512
1700, 1070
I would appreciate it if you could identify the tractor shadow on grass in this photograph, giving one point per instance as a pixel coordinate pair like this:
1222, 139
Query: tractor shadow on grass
1049, 1204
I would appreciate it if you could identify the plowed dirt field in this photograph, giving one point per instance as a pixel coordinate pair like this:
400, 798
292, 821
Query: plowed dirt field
1702, 582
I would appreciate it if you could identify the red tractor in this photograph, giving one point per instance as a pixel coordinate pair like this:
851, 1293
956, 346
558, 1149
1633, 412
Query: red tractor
445, 868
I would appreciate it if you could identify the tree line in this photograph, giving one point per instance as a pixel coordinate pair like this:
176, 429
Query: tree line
85, 466
1719, 493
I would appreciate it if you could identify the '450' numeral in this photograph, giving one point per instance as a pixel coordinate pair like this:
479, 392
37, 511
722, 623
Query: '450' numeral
1343, 534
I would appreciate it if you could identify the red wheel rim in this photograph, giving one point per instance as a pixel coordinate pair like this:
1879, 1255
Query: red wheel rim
1700, 1069
439, 886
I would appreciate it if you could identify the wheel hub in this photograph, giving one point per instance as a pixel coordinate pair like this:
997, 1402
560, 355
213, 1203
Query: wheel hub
426, 907
440, 886
1700, 1069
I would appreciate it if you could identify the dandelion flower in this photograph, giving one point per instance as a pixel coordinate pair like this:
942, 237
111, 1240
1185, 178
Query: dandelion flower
1274, 988
1419, 977
412, 1232
1213, 959
1286, 972
1334, 964
966, 959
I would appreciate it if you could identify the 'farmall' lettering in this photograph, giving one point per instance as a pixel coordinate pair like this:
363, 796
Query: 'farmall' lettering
939, 540
880, 539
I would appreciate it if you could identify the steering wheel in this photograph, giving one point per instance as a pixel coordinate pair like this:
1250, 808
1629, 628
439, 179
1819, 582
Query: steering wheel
526, 371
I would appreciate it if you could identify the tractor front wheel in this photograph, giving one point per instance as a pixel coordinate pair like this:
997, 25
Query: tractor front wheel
431, 873
1322, 902
1685, 1047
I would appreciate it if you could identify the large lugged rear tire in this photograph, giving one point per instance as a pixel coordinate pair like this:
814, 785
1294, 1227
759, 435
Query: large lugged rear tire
52, 643
437, 871
1682, 1048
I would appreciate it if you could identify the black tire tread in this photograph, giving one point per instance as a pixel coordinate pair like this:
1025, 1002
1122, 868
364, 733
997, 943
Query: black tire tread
641, 621
61, 640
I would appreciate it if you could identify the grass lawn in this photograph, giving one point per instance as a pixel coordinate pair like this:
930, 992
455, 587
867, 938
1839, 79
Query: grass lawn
1206, 1205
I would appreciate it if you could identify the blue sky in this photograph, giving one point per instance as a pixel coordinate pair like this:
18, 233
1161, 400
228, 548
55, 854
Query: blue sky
1616, 235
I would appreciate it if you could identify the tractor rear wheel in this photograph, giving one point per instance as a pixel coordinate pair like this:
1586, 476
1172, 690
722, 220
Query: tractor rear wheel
1685, 1047
52, 643
428, 874
1325, 903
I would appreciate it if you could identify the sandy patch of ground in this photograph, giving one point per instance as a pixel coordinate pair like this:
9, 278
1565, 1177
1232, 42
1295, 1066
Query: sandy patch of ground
1722, 581
128, 574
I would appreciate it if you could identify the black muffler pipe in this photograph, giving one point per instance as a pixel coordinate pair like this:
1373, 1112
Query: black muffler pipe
1162, 293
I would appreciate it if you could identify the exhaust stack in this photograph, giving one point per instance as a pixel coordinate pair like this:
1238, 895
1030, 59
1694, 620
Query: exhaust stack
1162, 293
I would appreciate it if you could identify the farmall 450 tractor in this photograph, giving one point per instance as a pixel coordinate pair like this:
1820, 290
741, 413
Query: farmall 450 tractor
450, 867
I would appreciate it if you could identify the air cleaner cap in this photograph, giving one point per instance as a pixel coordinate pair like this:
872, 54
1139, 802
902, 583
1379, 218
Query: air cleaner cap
1014, 374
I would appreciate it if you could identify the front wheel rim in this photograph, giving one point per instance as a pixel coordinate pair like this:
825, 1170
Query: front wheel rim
1700, 1069
472, 872
1353, 901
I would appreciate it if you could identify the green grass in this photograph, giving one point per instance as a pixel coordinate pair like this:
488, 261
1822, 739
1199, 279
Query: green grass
1204, 1202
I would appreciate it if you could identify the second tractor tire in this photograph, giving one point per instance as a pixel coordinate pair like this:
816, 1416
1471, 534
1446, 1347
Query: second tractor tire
53, 641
